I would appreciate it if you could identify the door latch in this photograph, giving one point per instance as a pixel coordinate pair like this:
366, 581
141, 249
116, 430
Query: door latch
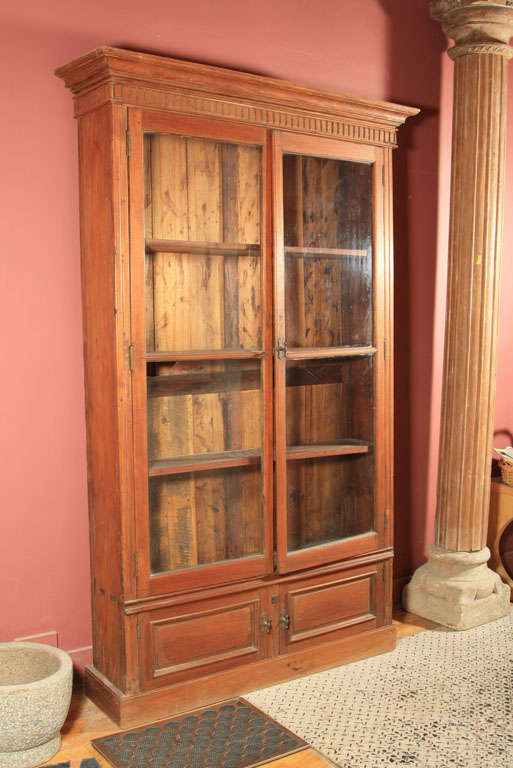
284, 620
265, 624
281, 349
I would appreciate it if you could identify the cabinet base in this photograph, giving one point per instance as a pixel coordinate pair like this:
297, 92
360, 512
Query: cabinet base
132, 709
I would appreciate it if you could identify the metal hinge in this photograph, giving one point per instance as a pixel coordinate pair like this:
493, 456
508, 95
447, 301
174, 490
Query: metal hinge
131, 356
266, 624
284, 620
383, 175
275, 559
281, 349
384, 349
128, 144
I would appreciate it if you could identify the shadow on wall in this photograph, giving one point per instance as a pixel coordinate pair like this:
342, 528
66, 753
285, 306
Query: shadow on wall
414, 55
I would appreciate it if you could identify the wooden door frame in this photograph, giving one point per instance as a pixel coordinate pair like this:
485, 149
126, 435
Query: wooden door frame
380, 537
141, 121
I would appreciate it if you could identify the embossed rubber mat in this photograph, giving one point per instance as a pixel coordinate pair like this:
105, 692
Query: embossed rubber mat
233, 734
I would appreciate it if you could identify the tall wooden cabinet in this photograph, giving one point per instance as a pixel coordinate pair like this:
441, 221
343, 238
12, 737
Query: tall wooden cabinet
236, 264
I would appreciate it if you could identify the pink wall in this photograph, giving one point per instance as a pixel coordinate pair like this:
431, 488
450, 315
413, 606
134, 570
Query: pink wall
375, 48
504, 402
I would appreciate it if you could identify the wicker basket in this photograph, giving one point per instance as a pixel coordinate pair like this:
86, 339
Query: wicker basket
506, 468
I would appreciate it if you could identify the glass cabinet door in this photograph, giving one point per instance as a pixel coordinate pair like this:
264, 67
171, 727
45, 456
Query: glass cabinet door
327, 340
204, 355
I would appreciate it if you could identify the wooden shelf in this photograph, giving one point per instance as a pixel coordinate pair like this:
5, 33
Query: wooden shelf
204, 354
303, 353
203, 248
206, 382
318, 450
203, 461
330, 252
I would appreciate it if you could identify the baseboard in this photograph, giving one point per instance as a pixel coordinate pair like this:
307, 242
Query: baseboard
80, 657
132, 709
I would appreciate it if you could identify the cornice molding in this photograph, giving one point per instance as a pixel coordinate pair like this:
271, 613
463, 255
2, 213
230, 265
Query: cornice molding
144, 80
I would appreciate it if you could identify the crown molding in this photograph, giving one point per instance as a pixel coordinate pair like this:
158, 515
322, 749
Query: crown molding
138, 79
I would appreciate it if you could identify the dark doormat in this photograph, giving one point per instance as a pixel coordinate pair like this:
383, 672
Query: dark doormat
233, 734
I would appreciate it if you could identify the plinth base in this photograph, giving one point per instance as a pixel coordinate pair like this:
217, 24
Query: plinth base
457, 589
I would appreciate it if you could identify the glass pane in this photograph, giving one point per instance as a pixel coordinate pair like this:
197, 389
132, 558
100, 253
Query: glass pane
213, 406
328, 252
202, 230
329, 499
330, 400
205, 517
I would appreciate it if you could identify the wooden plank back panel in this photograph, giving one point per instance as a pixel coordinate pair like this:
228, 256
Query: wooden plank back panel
328, 204
203, 190
205, 517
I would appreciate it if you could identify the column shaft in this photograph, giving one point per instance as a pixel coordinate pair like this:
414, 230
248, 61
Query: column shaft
472, 301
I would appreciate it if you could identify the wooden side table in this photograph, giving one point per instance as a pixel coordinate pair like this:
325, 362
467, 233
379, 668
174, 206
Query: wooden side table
501, 515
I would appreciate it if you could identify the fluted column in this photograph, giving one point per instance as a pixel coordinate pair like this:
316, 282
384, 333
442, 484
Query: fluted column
456, 587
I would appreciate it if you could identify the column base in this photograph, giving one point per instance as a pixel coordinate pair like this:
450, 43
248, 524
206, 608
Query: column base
457, 589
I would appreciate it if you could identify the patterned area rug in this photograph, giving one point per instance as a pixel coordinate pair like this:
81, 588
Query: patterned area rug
442, 699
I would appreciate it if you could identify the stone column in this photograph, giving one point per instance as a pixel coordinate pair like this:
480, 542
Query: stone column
456, 587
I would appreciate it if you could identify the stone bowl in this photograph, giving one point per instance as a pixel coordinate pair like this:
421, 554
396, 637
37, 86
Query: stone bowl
35, 694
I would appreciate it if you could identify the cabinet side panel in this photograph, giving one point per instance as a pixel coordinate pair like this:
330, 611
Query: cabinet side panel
100, 363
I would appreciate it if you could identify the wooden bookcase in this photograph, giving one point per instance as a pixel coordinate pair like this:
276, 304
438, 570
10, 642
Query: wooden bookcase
237, 268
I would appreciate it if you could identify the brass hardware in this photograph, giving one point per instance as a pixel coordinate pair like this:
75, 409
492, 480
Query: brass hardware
284, 620
281, 349
131, 356
128, 144
266, 624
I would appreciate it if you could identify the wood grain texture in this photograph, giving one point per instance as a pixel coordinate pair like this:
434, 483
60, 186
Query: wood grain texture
115, 74
156, 704
187, 366
206, 192
105, 351
329, 608
328, 266
475, 243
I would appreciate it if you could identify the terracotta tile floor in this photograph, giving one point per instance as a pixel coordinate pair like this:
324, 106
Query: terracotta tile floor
86, 721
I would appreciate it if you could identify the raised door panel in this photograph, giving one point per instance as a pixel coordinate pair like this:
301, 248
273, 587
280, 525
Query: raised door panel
326, 608
198, 639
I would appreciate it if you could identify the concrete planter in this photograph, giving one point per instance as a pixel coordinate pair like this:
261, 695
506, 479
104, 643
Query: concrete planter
35, 694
